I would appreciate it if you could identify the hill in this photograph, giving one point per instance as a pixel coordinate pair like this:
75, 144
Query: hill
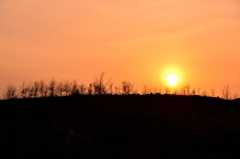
150, 126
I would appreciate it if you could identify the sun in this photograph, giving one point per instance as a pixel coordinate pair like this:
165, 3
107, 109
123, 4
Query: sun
172, 79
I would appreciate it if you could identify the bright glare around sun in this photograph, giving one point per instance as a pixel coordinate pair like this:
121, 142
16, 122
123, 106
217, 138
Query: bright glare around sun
172, 79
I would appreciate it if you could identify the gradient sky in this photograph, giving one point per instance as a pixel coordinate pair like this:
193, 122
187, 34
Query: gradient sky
137, 41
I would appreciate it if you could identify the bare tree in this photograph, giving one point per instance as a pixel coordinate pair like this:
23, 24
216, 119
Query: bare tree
212, 92
45, 90
204, 93
82, 89
154, 90
99, 85
117, 90
52, 87
41, 87
127, 87
193, 92
23, 90
175, 92
30, 89
184, 90
188, 89
67, 88
198, 90
110, 88
35, 89
74, 89
60, 88
167, 90
226, 92
90, 89
11, 92
159, 91
145, 89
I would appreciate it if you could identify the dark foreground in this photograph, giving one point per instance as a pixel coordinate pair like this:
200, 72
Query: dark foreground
124, 127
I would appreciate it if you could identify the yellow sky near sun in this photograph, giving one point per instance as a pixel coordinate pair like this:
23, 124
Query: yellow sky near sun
130, 40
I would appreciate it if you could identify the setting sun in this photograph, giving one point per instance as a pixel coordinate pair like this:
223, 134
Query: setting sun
172, 79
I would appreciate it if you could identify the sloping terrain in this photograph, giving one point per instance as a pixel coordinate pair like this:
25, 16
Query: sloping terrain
150, 126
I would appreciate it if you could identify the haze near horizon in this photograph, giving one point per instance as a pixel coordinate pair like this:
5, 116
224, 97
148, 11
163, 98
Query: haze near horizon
137, 41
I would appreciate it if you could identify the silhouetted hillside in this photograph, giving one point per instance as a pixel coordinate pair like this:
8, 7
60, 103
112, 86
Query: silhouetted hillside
134, 126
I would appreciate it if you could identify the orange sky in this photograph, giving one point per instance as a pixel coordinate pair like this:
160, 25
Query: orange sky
133, 40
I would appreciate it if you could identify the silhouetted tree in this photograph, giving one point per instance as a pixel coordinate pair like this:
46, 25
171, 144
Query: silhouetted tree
23, 90
30, 89
198, 90
60, 88
184, 90
204, 93
154, 90
175, 92
127, 87
110, 88
145, 89
117, 90
45, 90
35, 89
193, 92
212, 92
82, 89
167, 90
99, 85
159, 91
226, 92
41, 87
67, 88
188, 89
11, 92
74, 89
90, 89
52, 87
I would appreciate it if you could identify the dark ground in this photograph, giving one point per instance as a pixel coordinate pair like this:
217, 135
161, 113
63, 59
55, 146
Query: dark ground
125, 127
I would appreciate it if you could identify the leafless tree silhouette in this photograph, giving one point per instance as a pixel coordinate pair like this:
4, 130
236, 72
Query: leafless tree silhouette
41, 87
204, 93
74, 89
167, 90
35, 88
145, 89
198, 90
11, 92
52, 87
30, 89
193, 92
188, 89
82, 89
90, 89
110, 88
99, 85
127, 87
67, 88
226, 92
23, 90
60, 88
212, 92
117, 90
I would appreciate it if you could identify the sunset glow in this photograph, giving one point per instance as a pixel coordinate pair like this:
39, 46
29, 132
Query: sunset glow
138, 41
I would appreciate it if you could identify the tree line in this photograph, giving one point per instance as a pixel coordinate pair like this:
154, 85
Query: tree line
65, 88
98, 87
